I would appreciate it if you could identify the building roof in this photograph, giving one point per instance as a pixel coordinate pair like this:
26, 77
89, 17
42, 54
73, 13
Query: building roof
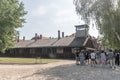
66, 41
82, 26
43, 43
23, 43
70, 41
78, 42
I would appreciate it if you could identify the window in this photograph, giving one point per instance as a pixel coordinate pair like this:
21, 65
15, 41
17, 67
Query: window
32, 51
59, 50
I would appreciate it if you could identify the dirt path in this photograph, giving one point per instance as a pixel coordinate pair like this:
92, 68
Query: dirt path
26, 72
63, 70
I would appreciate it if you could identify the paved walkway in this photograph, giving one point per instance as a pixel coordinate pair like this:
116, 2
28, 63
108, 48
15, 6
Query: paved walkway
63, 70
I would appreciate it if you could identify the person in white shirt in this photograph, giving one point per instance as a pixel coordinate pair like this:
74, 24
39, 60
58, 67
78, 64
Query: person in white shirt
82, 57
103, 58
92, 55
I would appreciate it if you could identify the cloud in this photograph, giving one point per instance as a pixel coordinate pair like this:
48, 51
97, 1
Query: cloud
40, 11
65, 16
47, 16
62, 13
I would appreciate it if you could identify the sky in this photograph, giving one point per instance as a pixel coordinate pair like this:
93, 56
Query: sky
46, 17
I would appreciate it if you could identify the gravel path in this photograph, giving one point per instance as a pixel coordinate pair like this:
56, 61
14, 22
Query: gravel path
63, 70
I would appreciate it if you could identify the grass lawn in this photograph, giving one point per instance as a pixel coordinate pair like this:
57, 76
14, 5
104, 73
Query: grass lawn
25, 60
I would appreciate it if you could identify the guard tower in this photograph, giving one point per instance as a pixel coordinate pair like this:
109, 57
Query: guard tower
82, 30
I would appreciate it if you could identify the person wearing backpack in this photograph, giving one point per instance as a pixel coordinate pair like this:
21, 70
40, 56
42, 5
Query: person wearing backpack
111, 57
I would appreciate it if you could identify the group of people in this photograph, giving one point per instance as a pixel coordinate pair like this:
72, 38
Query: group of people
100, 57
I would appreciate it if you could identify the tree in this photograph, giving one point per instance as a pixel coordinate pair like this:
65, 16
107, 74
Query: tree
105, 14
11, 17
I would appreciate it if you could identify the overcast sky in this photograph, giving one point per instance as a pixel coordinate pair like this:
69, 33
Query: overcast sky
46, 17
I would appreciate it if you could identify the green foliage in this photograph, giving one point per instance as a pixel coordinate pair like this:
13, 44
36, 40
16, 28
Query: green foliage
106, 15
11, 17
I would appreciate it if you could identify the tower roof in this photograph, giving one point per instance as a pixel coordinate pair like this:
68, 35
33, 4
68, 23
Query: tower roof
82, 26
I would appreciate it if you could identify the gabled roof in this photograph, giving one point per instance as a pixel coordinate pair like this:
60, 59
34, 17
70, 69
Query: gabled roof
78, 42
66, 41
43, 43
70, 41
24, 43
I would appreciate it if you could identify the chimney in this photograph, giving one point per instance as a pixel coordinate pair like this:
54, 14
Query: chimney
23, 38
62, 34
40, 36
35, 36
58, 34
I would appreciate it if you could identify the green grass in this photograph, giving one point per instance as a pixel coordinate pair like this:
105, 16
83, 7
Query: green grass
25, 60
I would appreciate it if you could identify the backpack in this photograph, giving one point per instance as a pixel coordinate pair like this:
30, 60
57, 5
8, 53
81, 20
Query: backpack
110, 55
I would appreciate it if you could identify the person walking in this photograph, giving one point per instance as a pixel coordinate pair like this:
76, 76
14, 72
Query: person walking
98, 57
111, 57
77, 56
103, 58
92, 55
117, 59
82, 57
87, 57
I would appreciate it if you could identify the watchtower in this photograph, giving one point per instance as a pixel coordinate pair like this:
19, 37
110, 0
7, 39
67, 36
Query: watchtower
82, 30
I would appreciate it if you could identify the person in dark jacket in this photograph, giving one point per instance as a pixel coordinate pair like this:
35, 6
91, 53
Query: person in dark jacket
117, 57
87, 57
77, 56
